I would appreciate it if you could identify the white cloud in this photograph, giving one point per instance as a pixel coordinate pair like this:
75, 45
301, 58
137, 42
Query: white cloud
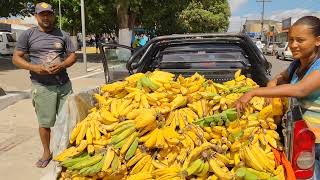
279, 15
293, 13
236, 4
235, 23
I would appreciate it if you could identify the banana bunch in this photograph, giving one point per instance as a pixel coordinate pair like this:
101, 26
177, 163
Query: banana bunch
255, 157
181, 118
153, 126
225, 117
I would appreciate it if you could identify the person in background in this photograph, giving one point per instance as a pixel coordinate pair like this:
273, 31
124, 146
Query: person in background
301, 79
51, 52
97, 42
143, 40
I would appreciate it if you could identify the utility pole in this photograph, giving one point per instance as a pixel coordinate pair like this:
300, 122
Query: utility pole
60, 14
83, 25
241, 26
262, 14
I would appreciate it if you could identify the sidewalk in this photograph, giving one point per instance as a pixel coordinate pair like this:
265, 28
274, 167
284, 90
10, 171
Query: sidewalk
20, 145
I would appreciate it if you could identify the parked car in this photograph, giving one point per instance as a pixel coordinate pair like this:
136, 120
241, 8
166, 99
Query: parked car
217, 57
283, 52
270, 48
7, 43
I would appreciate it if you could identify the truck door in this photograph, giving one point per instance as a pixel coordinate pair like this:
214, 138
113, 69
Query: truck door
114, 60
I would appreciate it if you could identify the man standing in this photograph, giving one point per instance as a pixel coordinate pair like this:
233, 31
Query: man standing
50, 52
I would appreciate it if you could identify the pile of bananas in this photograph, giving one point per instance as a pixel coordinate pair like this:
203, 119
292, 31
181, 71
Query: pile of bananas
156, 126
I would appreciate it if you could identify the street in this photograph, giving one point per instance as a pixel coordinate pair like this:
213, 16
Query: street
277, 65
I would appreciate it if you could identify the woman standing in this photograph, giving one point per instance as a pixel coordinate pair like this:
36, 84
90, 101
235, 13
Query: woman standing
301, 79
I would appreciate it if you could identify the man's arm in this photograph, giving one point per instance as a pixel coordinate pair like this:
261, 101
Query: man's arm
69, 61
19, 60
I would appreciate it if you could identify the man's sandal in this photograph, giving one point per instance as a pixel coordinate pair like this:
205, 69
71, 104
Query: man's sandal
42, 163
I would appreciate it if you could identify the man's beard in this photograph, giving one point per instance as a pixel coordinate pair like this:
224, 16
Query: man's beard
46, 25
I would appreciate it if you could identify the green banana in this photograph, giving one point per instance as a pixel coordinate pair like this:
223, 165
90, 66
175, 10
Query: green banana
132, 149
146, 82
231, 114
89, 162
70, 162
115, 163
121, 129
194, 167
122, 135
120, 144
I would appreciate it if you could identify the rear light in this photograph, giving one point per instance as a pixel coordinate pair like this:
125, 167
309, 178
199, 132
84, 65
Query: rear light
303, 151
305, 160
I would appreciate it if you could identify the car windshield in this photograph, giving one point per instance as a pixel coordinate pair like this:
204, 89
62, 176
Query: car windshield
10, 38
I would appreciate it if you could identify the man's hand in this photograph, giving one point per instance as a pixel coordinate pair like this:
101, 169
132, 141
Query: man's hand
55, 68
39, 69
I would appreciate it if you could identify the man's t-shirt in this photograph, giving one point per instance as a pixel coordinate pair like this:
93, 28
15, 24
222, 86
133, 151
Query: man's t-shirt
46, 48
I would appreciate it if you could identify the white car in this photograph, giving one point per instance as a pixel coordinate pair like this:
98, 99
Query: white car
7, 43
260, 45
283, 52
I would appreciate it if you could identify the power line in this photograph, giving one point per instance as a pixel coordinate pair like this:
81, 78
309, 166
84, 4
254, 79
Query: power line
262, 14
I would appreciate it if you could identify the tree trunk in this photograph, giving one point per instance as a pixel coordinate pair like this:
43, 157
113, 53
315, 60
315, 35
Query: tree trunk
123, 21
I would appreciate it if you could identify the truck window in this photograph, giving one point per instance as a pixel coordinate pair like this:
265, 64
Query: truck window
1, 38
10, 38
208, 58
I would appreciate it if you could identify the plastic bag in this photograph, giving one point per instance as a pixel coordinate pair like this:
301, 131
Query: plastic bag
74, 110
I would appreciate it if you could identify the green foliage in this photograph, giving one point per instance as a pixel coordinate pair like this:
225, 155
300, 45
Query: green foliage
166, 16
205, 16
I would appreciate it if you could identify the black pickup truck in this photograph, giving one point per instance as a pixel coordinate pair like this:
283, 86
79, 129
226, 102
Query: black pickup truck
217, 57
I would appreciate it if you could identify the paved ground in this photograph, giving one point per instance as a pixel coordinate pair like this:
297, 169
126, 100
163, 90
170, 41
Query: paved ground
20, 144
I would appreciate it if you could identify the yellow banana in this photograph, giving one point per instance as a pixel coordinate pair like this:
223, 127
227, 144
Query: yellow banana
108, 159
82, 132
140, 164
75, 132
218, 170
251, 160
83, 144
128, 142
195, 152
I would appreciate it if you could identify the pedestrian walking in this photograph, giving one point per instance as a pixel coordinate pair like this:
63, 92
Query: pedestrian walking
50, 52
301, 79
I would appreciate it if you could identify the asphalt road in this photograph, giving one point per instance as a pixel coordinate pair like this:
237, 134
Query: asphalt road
277, 65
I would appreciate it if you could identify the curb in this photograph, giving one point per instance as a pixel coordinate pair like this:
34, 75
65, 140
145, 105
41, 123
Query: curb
12, 98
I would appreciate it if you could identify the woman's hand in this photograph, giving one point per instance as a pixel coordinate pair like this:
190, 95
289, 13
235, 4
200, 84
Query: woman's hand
243, 101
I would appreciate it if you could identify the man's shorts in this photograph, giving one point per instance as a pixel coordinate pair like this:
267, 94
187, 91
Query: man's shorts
48, 101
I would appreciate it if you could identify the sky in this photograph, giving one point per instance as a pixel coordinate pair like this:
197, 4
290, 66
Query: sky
274, 10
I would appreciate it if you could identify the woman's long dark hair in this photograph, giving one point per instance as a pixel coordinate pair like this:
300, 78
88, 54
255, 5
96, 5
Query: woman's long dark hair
314, 24
311, 21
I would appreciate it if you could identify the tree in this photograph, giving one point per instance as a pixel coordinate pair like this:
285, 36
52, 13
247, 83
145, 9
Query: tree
166, 16
15, 7
206, 16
